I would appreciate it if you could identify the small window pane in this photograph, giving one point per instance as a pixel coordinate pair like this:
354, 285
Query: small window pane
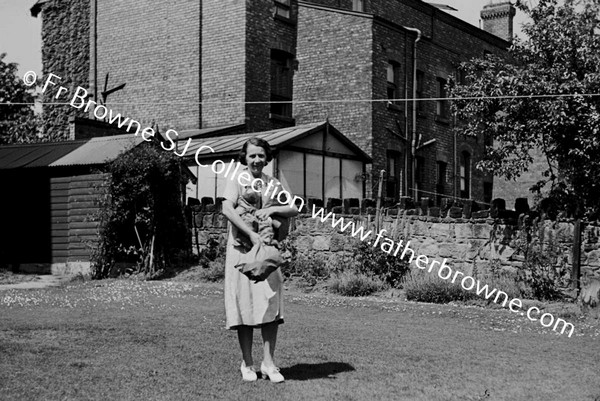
332, 177
314, 176
282, 8
358, 5
390, 73
351, 186
441, 109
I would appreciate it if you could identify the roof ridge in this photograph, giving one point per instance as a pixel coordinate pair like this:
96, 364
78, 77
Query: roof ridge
48, 143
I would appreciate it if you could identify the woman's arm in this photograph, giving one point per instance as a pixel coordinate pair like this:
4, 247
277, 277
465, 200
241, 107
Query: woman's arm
236, 220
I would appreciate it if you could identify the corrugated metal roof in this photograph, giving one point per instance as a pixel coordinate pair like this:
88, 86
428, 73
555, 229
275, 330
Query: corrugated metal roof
99, 150
35, 155
233, 143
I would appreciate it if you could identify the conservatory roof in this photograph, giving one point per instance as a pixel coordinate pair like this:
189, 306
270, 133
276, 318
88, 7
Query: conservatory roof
278, 139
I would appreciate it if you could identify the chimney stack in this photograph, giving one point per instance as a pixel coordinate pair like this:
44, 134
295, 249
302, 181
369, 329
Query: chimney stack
497, 18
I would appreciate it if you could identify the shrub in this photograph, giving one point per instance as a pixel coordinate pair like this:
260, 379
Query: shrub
424, 287
214, 272
311, 269
374, 262
213, 251
501, 280
142, 221
355, 284
544, 272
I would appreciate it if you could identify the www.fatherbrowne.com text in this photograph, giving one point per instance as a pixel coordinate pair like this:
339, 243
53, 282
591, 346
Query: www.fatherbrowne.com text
443, 271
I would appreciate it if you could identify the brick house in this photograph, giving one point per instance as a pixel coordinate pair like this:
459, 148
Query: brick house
368, 49
266, 64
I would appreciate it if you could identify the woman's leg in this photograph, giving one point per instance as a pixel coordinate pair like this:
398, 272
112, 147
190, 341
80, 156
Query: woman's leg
245, 339
269, 335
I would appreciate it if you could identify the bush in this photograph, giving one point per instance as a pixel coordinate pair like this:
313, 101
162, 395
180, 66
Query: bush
501, 280
545, 271
142, 221
311, 269
355, 284
424, 287
214, 272
362, 260
213, 251
374, 262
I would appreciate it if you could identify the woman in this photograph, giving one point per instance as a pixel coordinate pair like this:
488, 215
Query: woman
250, 304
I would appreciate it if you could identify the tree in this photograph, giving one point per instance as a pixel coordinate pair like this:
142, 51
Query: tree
546, 97
18, 122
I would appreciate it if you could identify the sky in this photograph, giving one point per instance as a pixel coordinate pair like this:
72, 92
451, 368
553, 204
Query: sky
20, 33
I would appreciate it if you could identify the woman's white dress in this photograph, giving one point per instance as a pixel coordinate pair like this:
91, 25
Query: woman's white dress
248, 303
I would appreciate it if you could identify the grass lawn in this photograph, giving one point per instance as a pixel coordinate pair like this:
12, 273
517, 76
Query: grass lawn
125, 340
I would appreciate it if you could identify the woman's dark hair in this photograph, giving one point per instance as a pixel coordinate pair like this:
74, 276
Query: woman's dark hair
256, 142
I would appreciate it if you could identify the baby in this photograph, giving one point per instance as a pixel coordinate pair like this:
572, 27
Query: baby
263, 226
259, 261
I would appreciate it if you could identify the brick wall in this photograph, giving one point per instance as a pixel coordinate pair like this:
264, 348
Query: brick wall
223, 61
263, 33
335, 62
153, 47
65, 52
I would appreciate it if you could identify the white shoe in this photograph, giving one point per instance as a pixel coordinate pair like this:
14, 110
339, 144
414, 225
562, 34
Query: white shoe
248, 374
271, 373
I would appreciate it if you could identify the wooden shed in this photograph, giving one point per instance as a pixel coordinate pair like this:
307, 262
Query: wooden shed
50, 195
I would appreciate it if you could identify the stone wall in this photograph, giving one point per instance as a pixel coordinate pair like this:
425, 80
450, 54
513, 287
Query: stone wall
467, 243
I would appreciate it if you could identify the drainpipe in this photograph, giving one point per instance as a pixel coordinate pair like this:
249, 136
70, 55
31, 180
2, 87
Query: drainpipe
413, 148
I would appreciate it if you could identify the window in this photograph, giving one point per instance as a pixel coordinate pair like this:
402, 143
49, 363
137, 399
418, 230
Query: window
358, 5
419, 89
465, 175
420, 171
281, 82
394, 174
441, 103
283, 8
393, 74
442, 167
440, 187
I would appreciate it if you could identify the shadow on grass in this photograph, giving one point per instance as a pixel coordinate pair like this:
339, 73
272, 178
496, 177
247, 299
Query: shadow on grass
309, 371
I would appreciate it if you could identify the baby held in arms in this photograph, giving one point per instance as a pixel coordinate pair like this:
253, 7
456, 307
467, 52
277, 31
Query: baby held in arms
265, 227
259, 261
